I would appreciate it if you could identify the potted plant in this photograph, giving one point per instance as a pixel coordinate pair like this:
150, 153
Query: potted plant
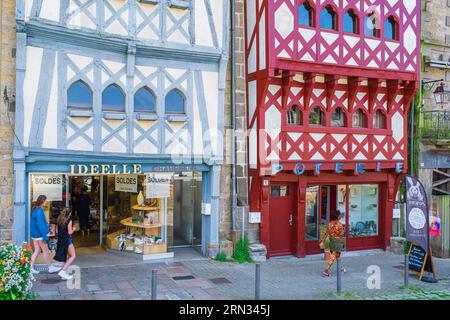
326, 244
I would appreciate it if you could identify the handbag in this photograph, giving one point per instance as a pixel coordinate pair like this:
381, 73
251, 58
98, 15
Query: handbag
337, 244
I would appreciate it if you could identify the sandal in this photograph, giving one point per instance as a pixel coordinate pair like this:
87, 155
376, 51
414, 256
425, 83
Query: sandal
325, 274
343, 270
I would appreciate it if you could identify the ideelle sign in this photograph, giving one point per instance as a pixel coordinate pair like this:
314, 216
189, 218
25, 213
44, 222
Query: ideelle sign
106, 168
126, 182
50, 186
417, 224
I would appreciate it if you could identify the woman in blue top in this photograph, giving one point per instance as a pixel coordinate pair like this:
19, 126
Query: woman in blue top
39, 231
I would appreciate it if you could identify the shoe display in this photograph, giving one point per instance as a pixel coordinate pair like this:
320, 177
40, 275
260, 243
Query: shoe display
137, 250
121, 246
138, 241
64, 275
53, 269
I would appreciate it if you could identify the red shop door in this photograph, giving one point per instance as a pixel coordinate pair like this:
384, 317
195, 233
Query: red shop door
282, 209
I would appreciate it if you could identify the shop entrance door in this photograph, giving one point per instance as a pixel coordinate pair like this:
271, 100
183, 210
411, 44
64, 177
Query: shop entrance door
187, 210
281, 212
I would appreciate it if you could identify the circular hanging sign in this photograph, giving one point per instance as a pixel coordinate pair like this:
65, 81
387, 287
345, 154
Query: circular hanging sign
417, 218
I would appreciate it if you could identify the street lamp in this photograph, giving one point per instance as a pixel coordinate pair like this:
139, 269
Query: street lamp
441, 95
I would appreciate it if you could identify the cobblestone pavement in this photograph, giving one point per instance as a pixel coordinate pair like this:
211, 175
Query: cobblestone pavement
282, 278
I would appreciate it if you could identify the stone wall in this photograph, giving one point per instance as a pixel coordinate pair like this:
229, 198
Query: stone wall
7, 79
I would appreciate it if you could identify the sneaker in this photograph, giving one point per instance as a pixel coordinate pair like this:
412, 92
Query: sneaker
137, 250
64, 275
34, 271
53, 269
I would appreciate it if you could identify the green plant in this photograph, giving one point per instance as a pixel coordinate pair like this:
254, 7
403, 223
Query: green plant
222, 257
240, 253
16, 279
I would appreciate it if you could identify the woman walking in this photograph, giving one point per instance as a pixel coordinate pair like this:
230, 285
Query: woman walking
39, 231
335, 231
65, 251
84, 209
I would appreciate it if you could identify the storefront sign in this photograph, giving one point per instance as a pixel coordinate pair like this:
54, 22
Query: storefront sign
106, 168
254, 217
435, 226
158, 185
417, 224
126, 182
206, 209
50, 186
173, 168
359, 168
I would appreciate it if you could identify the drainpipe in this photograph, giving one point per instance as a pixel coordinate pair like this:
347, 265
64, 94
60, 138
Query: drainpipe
233, 123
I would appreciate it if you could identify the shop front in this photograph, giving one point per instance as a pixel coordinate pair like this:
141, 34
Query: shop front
134, 207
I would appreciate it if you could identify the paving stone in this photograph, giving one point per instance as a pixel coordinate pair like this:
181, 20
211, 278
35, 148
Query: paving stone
123, 285
93, 287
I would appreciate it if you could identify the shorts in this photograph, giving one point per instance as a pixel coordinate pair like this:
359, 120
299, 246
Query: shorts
70, 240
38, 239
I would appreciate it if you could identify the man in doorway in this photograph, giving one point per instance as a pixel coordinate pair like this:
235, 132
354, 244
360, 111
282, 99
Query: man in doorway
83, 206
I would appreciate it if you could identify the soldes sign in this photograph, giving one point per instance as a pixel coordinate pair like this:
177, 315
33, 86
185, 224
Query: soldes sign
50, 186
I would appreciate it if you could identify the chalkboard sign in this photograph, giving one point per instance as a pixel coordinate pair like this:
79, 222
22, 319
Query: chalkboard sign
420, 261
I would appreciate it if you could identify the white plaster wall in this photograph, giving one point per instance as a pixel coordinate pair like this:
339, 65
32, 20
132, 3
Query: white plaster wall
197, 148
218, 14
50, 10
253, 147
252, 94
211, 86
250, 18
203, 34
28, 6
262, 43
30, 86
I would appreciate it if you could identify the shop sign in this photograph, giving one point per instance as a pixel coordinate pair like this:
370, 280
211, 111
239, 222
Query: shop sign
417, 223
206, 209
158, 185
126, 183
300, 168
50, 186
173, 168
106, 168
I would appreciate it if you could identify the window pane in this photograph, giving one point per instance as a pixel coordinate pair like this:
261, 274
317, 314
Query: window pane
312, 213
113, 99
174, 102
369, 26
349, 22
79, 96
363, 207
337, 118
305, 15
294, 116
317, 117
279, 191
389, 29
144, 101
327, 19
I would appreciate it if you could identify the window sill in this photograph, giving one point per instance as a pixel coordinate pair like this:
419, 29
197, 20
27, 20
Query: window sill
81, 113
114, 116
177, 118
146, 116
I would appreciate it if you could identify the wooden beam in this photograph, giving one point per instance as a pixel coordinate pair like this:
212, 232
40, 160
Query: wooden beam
310, 81
353, 83
331, 81
393, 87
374, 89
287, 82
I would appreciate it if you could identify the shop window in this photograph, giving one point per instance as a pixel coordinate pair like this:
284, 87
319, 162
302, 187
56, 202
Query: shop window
328, 18
79, 96
359, 119
363, 210
312, 213
113, 99
391, 29
174, 102
370, 25
317, 117
306, 14
338, 118
279, 191
379, 120
350, 22
144, 100
294, 116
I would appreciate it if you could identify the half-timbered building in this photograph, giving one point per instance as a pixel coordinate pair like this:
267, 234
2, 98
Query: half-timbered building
113, 88
329, 86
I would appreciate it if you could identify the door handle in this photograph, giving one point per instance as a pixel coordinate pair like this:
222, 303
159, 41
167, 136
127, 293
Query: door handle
290, 219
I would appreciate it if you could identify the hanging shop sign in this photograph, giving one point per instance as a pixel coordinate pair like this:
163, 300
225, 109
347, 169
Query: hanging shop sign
417, 213
105, 168
158, 185
173, 168
50, 186
126, 182
300, 168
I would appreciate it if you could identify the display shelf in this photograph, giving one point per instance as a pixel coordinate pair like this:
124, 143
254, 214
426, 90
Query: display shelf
144, 208
128, 223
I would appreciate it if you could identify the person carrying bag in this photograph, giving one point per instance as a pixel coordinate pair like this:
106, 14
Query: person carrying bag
335, 231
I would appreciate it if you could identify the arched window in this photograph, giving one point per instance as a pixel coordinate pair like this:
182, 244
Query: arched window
295, 116
379, 120
174, 102
359, 119
391, 29
328, 18
306, 14
113, 99
79, 96
338, 118
371, 24
350, 22
144, 100
317, 117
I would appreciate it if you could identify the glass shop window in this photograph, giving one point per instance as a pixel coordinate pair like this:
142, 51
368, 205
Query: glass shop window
338, 118
279, 191
79, 96
363, 210
144, 100
359, 119
113, 99
317, 117
328, 18
294, 116
379, 120
312, 213
306, 14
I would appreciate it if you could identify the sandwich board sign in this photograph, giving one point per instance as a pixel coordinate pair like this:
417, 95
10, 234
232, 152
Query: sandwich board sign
420, 261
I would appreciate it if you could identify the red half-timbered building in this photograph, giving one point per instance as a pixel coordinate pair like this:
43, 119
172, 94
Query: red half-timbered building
329, 86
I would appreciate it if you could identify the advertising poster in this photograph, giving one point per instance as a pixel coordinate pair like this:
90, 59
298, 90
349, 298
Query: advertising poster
126, 182
435, 226
158, 185
50, 186
417, 224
